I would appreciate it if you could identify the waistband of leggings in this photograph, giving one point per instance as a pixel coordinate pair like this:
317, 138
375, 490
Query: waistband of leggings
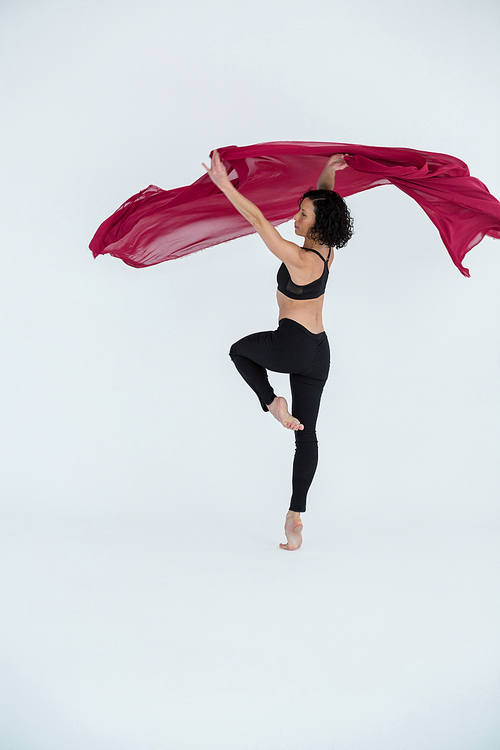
303, 329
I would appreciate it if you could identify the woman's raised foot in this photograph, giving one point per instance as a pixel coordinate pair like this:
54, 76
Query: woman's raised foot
293, 531
279, 410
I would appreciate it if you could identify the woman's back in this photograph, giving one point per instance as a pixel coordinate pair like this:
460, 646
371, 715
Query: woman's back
308, 279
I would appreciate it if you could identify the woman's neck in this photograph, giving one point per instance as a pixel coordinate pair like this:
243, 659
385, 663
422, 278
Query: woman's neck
311, 245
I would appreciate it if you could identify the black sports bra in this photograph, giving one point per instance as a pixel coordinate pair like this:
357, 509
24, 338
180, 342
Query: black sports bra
310, 291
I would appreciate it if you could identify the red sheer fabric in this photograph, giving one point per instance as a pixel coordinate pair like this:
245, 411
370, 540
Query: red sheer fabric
157, 225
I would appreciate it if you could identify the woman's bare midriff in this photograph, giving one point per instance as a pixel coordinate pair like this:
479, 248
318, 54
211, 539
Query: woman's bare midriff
307, 312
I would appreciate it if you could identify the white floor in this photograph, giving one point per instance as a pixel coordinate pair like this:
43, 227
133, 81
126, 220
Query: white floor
193, 629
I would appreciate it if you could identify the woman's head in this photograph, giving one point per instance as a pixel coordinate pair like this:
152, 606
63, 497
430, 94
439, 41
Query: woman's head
325, 218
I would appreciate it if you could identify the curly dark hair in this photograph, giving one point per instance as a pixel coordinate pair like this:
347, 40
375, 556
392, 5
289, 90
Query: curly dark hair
334, 226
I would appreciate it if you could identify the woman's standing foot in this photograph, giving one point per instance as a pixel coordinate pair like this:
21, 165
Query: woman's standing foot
293, 531
279, 410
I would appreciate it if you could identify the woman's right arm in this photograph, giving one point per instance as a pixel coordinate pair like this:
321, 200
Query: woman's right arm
286, 251
335, 163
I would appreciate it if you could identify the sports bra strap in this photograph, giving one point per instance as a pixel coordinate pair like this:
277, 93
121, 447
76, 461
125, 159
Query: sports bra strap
310, 250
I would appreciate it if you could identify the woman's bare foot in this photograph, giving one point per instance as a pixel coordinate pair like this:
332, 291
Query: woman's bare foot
279, 410
293, 531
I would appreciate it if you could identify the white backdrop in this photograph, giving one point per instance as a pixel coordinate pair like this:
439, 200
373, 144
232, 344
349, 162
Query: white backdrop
145, 601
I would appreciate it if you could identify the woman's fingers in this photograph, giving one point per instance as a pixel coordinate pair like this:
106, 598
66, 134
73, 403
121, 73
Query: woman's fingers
213, 161
217, 171
213, 164
216, 162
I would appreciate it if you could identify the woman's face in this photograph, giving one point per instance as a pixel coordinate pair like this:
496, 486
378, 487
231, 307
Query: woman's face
305, 218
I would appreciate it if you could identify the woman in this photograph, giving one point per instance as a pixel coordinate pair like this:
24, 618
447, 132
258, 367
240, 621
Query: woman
299, 346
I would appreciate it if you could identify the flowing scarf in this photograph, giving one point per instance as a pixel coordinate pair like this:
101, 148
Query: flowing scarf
157, 225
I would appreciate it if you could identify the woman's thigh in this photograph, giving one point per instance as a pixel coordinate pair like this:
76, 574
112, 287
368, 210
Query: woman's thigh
288, 349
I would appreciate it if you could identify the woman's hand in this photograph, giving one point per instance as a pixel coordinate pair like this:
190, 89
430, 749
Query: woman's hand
337, 162
217, 172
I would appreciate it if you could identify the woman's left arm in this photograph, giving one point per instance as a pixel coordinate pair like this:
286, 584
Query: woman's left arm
286, 251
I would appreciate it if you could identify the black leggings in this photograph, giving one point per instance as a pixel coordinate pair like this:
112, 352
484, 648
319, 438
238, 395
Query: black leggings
306, 356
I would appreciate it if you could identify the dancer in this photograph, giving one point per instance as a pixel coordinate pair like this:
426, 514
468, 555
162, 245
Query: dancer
299, 346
